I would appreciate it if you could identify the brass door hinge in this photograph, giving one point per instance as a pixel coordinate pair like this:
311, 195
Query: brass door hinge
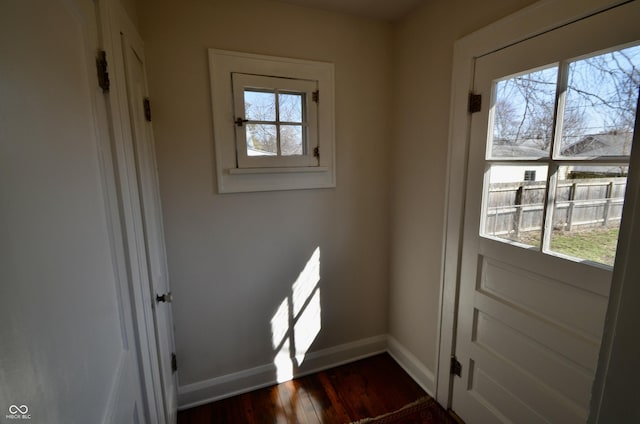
456, 366
146, 104
101, 68
475, 102
174, 363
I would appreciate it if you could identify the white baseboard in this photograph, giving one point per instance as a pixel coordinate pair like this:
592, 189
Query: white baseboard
408, 361
244, 381
250, 379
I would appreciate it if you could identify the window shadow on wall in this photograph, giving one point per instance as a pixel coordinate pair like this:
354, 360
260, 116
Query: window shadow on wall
297, 321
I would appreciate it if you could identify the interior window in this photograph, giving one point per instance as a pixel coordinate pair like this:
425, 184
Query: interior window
276, 121
273, 122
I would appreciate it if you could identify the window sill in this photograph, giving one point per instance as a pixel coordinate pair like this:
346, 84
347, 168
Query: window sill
288, 170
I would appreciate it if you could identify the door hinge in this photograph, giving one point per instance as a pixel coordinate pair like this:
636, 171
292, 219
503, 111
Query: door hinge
475, 102
174, 363
315, 96
146, 104
316, 152
456, 366
103, 75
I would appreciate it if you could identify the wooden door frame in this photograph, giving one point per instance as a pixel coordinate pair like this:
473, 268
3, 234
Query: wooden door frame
113, 21
534, 20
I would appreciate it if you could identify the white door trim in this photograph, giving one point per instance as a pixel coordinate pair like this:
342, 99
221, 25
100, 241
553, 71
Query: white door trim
114, 20
529, 22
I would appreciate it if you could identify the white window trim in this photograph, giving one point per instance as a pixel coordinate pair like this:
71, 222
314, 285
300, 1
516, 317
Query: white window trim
230, 177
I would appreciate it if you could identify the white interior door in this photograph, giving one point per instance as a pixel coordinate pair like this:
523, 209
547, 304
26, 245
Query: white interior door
531, 309
142, 137
138, 192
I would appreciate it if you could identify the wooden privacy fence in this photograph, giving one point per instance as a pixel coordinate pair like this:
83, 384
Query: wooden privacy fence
582, 203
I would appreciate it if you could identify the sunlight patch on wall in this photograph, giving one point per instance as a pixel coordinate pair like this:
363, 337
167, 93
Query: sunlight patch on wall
297, 321
307, 327
284, 363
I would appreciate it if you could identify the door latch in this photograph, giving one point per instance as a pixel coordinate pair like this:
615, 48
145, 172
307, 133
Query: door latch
240, 121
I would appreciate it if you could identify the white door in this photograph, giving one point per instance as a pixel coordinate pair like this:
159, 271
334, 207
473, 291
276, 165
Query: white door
141, 209
142, 137
549, 153
68, 350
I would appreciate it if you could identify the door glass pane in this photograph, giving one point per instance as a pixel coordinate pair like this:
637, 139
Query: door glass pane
587, 211
259, 105
600, 105
522, 114
290, 107
291, 140
262, 140
515, 202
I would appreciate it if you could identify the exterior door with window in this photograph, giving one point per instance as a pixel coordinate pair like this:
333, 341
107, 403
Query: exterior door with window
548, 160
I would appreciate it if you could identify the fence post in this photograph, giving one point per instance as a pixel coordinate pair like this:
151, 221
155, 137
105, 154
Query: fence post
607, 206
517, 220
572, 198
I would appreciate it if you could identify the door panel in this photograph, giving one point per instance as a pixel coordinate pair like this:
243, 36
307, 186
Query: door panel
529, 321
544, 296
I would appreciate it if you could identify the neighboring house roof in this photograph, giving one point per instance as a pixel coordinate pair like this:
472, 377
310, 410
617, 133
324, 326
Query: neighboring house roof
618, 144
528, 149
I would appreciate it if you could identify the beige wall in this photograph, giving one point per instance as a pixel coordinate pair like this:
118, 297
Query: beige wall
131, 8
423, 54
234, 257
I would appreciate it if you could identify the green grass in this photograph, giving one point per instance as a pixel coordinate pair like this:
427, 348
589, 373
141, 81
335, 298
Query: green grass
594, 244
598, 245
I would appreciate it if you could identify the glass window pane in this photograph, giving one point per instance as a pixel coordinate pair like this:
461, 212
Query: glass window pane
261, 140
291, 107
259, 105
523, 112
291, 142
600, 104
515, 205
587, 211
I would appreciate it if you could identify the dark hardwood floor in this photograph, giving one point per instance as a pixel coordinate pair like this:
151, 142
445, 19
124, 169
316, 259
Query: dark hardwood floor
366, 388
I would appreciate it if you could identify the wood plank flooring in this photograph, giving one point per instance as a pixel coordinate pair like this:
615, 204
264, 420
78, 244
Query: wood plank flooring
366, 388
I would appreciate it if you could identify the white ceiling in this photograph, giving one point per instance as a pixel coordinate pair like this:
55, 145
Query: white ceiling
389, 10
